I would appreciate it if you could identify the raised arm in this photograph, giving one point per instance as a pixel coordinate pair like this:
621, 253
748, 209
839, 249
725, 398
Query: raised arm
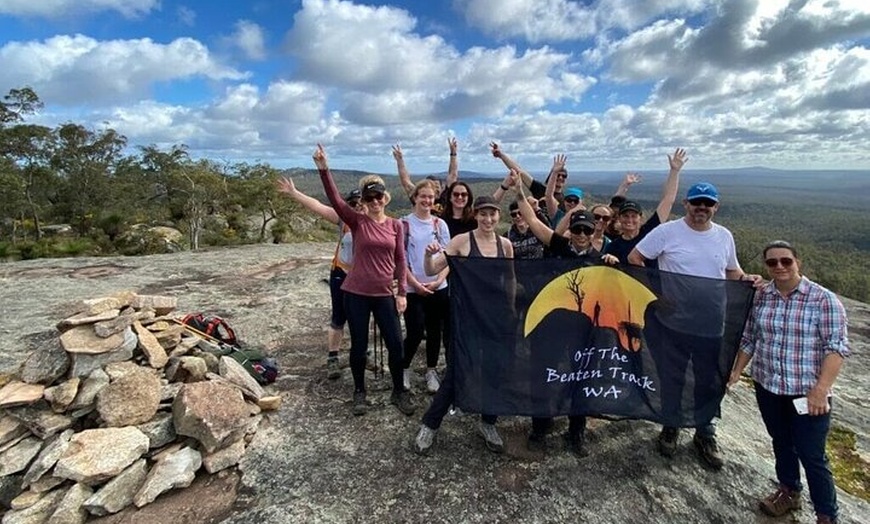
404, 175
347, 214
286, 186
538, 228
550, 193
510, 163
453, 165
628, 180
672, 183
503, 188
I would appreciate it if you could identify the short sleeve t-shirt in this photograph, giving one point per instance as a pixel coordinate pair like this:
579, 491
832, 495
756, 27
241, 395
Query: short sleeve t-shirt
620, 247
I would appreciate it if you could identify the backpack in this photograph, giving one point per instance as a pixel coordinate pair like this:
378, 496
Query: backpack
223, 342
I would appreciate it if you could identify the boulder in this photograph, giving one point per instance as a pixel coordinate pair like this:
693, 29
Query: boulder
18, 457
40, 419
176, 470
214, 414
159, 430
45, 364
53, 449
224, 458
89, 388
162, 305
150, 346
61, 396
95, 455
83, 339
70, 510
81, 319
118, 493
129, 400
231, 370
39, 512
95, 306
10, 429
83, 364
18, 393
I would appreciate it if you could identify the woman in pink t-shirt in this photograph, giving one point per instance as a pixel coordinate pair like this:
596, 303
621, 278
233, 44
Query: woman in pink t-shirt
378, 263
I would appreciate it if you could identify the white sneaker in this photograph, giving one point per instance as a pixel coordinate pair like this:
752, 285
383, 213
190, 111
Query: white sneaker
425, 439
432, 382
406, 379
491, 437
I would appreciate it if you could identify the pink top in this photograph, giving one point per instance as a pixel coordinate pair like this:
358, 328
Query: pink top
378, 248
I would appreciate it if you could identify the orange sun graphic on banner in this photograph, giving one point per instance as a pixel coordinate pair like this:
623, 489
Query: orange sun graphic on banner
609, 297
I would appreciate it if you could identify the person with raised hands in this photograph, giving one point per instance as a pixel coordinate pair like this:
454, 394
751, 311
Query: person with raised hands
441, 194
379, 266
630, 214
342, 261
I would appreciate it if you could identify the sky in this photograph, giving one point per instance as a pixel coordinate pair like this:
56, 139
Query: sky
614, 85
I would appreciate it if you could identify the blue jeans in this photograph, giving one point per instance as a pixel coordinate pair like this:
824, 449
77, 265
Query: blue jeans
799, 439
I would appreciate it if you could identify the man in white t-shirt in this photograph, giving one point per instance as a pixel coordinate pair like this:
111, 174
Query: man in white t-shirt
692, 245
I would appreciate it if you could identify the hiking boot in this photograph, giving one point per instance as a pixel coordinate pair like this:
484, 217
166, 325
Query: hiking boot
780, 502
406, 379
332, 370
432, 382
708, 450
667, 443
425, 439
825, 519
491, 437
574, 442
402, 400
537, 442
360, 405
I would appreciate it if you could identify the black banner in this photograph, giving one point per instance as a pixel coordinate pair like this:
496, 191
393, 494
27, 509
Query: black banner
546, 338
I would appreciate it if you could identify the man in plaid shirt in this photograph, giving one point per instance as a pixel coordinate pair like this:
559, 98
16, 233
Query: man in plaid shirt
797, 334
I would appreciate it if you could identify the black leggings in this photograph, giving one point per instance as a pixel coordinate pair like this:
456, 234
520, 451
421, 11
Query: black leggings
358, 309
432, 312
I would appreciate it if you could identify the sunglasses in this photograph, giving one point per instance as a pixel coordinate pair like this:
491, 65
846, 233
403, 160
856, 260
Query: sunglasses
515, 214
583, 229
562, 176
353, 203
706, 202
460, 195
572, 200
605, 218
773, 262
371, 198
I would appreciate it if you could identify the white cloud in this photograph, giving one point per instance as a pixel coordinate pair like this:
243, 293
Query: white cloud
566, 20
186, 15
79, 69
393, 75
61, 8
249, 37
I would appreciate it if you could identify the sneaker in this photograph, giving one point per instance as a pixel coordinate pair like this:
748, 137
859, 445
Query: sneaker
825, 519
402, 400
537, 442
574, 442
360, 406
406, 379
708, 450
425, 439
667, 443
332, 370
432, 382
491, 437
456, 412
780, 502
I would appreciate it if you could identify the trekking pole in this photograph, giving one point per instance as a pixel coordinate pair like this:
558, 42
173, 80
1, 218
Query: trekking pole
197, 332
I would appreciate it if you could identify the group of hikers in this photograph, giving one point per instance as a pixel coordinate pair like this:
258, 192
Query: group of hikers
795, 336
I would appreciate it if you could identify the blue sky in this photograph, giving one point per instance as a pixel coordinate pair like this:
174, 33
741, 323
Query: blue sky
615, 85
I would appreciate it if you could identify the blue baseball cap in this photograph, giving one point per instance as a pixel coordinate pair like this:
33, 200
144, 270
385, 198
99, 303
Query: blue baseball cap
574, 192
703, 190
